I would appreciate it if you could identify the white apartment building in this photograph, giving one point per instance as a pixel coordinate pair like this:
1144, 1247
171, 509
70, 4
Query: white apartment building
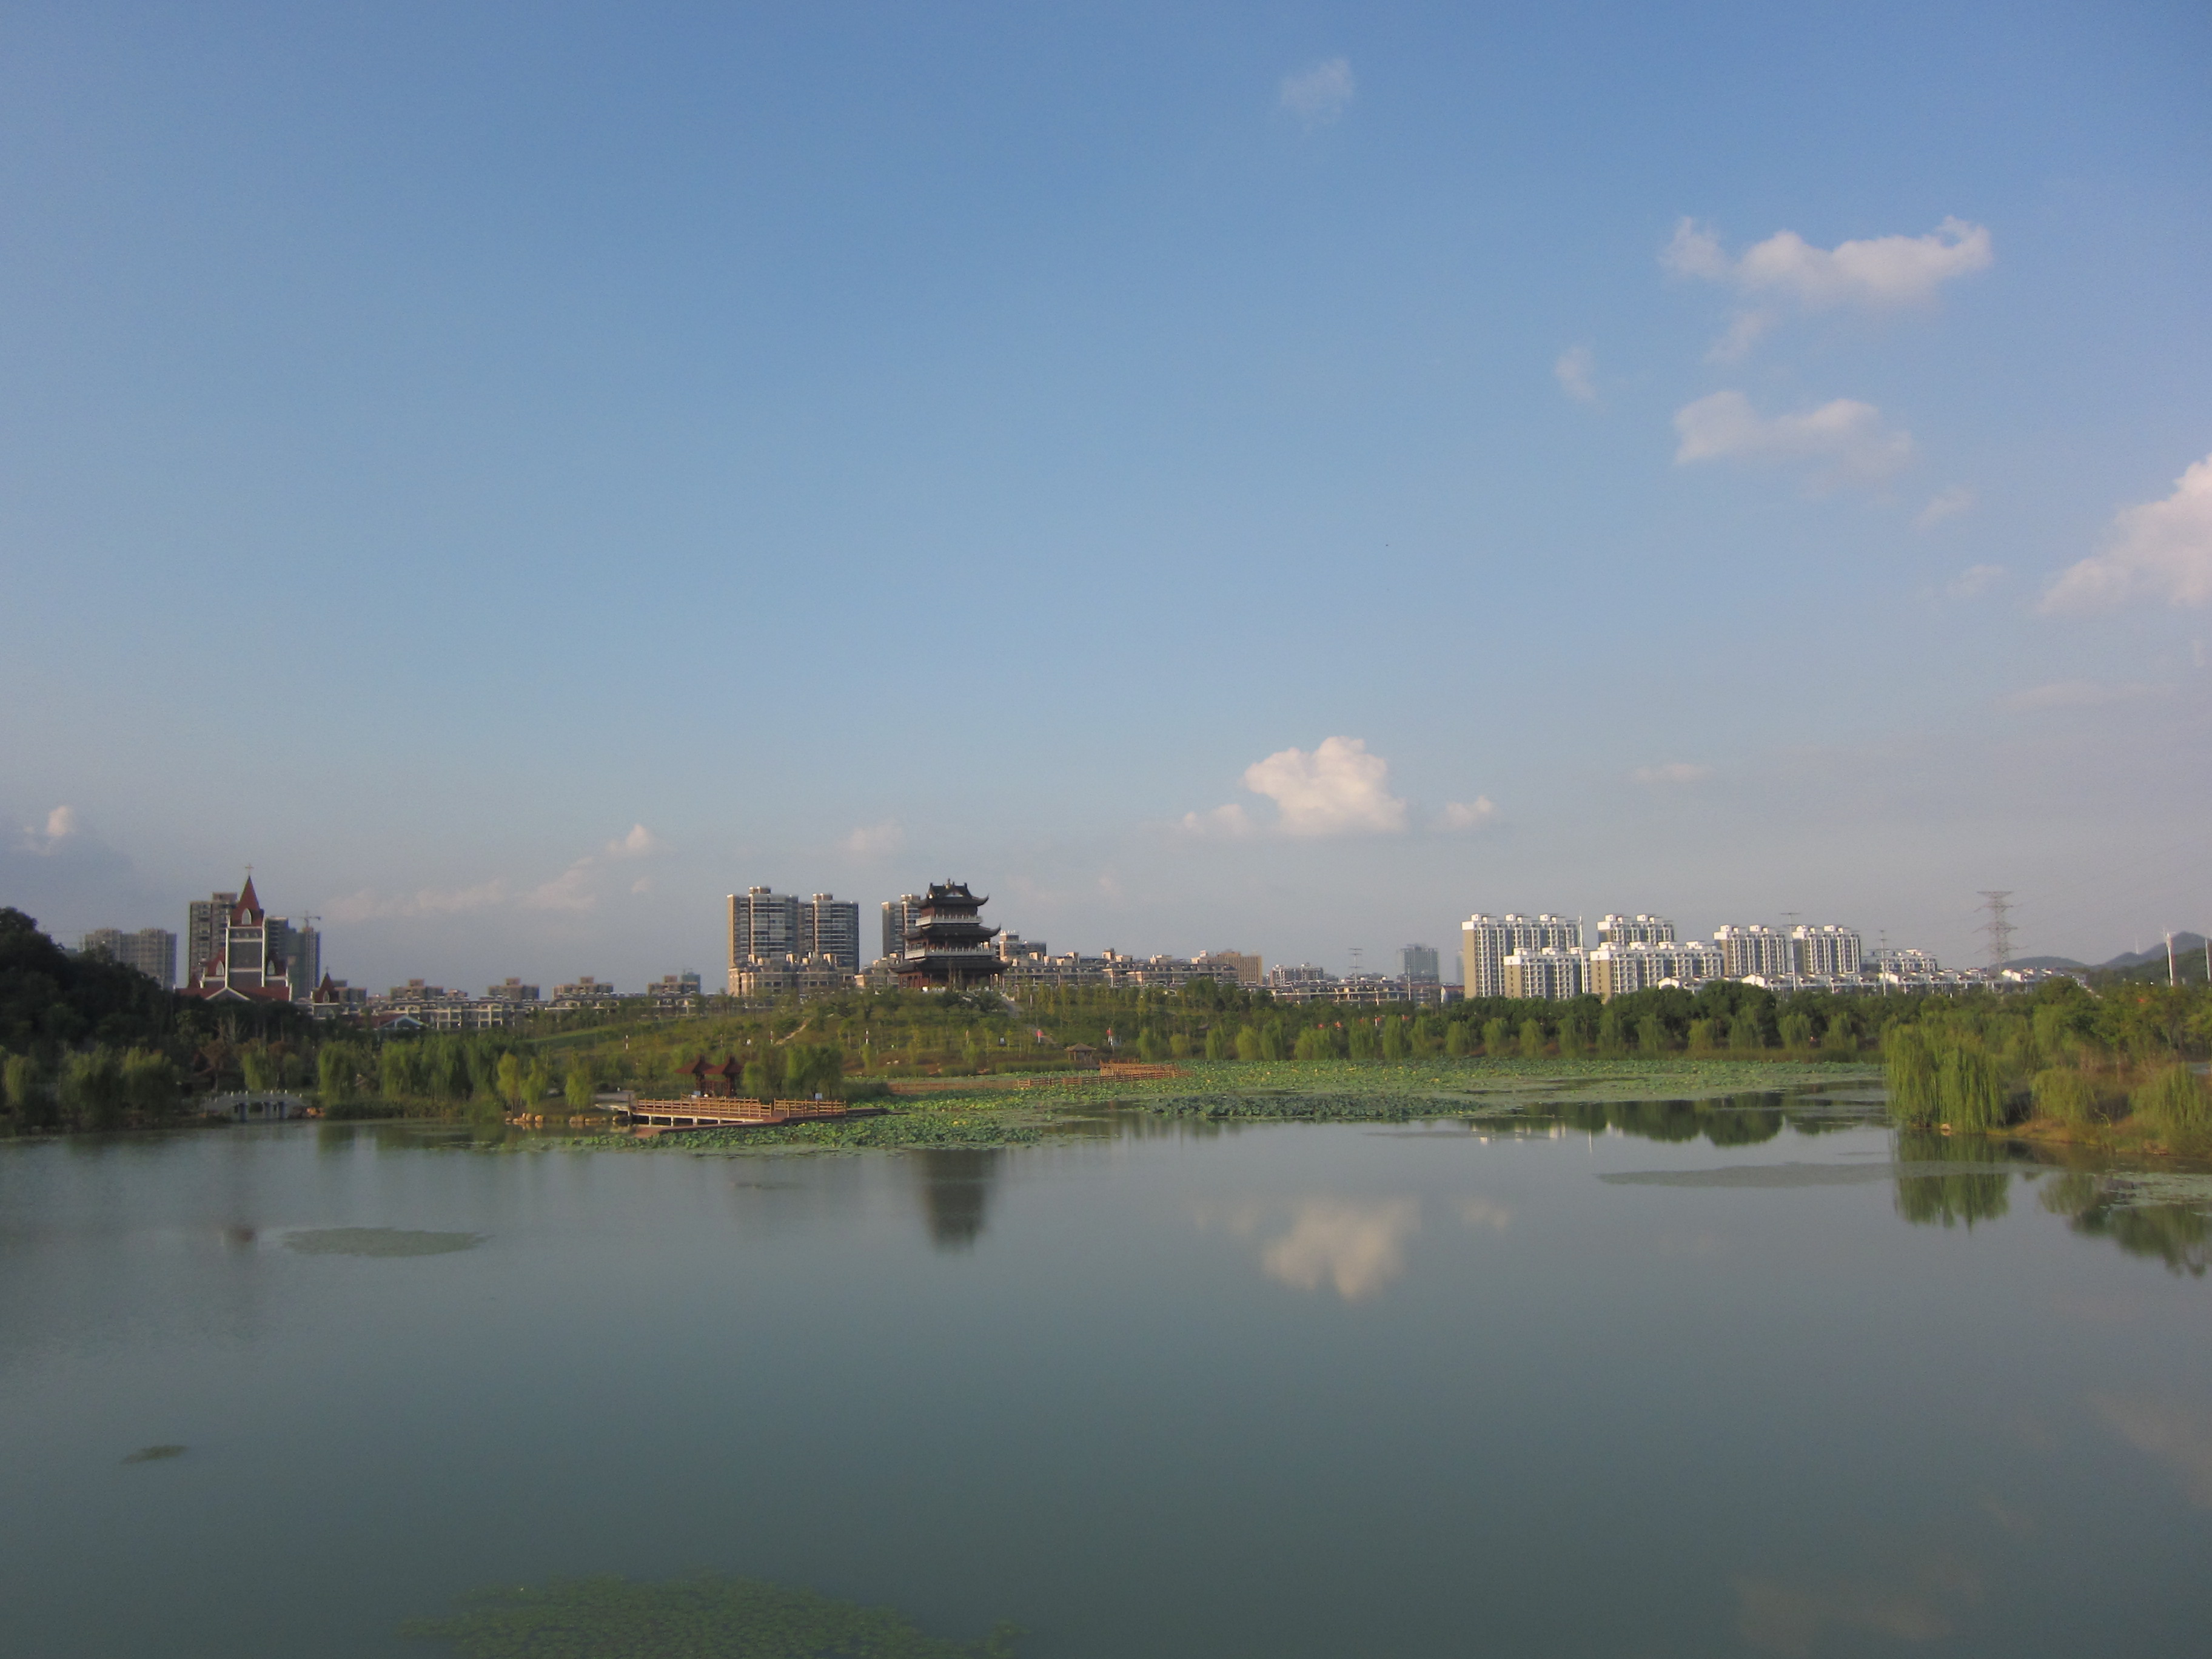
1551, 973
1486, 941
899, 915
1828, 952
1635, 930
1615, 970
1755, 952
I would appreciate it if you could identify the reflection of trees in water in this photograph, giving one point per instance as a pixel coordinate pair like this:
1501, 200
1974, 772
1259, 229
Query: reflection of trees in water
1739, 1120
2179, 1235
1969, 1195
956, 1191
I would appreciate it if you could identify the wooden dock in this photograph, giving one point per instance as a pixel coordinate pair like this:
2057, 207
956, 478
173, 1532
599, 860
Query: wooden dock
706, 1112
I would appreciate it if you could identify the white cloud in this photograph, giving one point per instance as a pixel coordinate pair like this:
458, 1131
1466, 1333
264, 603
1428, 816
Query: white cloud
1469, 815
1319, 96
876, 841
639, 842
574, 889
1674, 772
1948, 504
61, 824
1880, 273
1231, 820
1575, 372
1337, 789
2160, 552
369, 905
1975, 581
1846, 441
2073, 693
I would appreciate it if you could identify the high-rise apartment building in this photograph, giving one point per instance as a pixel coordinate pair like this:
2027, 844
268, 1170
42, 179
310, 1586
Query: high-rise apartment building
899, 914
151, 950
1486, 941
1635, 930
1755, 952
1551, 973
1615, 970
1828, 952
763, 925
204, 920
1418, 964
830, 926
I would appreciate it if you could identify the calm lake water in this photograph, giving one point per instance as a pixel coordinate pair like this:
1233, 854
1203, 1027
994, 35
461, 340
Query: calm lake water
1285, 1390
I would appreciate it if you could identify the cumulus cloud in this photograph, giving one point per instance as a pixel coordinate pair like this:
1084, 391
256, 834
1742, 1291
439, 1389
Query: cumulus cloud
2161, 552
876, 841
1975, 581
1469, 814
1947, 504
1844, 442
1337, 789
1319, 96
2073, 693
639, 842
1880, 273
61, 824
1232, 821
1576, 373
1674, 772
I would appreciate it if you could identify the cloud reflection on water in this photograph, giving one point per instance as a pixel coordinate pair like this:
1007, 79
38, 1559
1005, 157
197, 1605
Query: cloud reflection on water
1352, 1247
1790, 1619
2176, 1435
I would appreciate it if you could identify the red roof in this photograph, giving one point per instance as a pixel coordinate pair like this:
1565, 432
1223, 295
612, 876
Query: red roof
248, 912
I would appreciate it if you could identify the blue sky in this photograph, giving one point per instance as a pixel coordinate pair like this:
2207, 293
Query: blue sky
514, 474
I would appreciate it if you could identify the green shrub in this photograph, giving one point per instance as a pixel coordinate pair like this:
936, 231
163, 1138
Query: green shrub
1532, 1038
2173, 1100
1704, 1036
1247, 1043
2062, 1095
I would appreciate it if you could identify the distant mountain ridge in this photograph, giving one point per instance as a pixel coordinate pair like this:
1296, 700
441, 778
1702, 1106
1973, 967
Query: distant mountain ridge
2185, 945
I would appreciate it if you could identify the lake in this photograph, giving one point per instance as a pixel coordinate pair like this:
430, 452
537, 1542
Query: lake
1155, 1388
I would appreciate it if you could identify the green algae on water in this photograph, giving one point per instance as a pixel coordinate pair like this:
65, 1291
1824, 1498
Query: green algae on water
155, 1454
379, 1242
707, 1616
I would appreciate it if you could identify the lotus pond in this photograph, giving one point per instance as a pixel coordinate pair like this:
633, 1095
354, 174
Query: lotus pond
1497, 1364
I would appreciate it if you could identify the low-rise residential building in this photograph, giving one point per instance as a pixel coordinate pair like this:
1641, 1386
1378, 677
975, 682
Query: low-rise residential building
585, 991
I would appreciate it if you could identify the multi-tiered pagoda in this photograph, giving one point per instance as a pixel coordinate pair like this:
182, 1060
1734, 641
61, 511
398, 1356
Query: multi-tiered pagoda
946, 943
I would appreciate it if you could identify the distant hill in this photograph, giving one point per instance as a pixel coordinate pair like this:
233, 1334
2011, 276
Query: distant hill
2185, 945
2188, 956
